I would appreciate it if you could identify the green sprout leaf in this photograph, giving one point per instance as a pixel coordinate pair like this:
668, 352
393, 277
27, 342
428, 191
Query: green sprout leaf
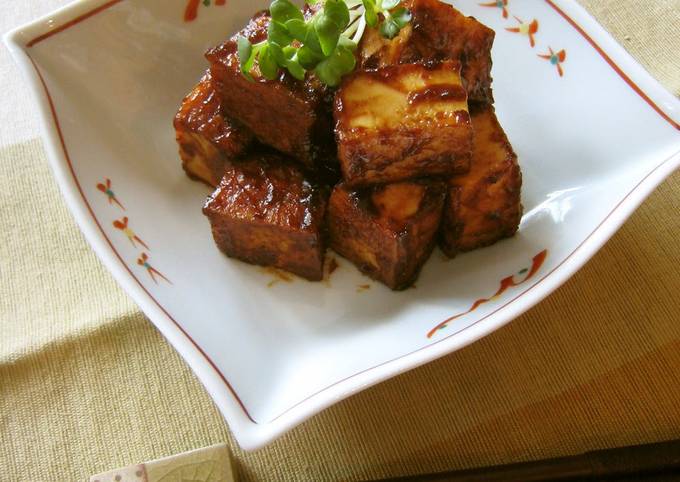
402, 17
277, 52
284, 10
245, 50
312, 40
324, 43
297, 28
309, 58
278, 33
339, 64
389, 29
329, 23
267, 63
371, 13
246, 55
347, 43
296, 70
393, 23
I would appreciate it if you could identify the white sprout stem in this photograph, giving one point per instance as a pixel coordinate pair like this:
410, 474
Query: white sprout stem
353, 25
354, 15
356, 12
357, 20
360, 30
350, 30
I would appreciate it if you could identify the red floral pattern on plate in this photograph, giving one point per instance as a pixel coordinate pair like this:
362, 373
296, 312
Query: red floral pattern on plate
556, 59
502, 4
191, 10
506, 283
105, 187
143, 260
529, 29
122, 225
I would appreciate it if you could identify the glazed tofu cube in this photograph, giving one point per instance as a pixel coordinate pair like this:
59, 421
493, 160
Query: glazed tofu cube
207, 140
388, 231
401, 122
266, 211
437, 32
290, 115
484, 205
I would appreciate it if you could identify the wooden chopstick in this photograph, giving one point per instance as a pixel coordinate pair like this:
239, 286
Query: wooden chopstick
651, 462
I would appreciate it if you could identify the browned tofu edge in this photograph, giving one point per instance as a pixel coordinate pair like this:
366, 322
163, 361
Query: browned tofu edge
436, 146
389, 252
207, 139
289, 115
262, 215
483, 206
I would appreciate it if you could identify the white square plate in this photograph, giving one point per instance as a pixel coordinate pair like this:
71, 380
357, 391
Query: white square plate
594, 134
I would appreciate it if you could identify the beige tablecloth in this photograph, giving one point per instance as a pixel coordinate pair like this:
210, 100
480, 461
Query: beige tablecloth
87, 384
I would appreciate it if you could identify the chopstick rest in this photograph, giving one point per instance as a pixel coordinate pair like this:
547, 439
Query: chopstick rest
210, 464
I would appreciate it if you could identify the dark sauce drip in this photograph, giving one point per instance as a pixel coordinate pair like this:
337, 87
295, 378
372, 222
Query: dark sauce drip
438, 93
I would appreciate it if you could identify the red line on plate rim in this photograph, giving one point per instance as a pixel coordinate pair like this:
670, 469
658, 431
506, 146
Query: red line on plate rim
500, 307
571, 21
183, 331
120, 258
73, 22
614, 66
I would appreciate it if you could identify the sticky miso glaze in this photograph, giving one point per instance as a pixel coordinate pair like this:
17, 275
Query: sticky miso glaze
388, 231
438, 93
437, 32
401, 122
484, 205
381, 168
268, 211
207, 139
292, 116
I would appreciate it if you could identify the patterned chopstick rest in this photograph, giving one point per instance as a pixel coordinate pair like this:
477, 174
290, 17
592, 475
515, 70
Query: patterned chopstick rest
210, 464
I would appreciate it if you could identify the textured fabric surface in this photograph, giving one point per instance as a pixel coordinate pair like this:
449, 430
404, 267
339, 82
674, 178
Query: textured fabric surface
87, 384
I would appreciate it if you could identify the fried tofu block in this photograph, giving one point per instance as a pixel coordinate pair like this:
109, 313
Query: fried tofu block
290, 115
387, 231
266, 211
401, 122
437, 32
207, 140
484, 205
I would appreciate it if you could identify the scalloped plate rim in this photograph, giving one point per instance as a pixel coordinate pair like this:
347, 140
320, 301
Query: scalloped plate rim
252, 435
